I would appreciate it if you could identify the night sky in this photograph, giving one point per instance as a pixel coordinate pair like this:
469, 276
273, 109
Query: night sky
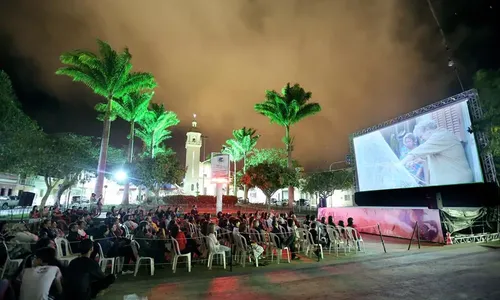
364, 61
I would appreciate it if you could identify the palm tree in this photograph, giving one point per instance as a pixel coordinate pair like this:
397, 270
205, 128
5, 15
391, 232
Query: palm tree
153, 129
287, 109
109, 74
244, 140
235, 155
133, 108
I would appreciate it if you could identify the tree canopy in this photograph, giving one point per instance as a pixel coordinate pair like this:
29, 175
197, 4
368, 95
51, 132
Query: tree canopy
154, 129
488, 85
18, 133
325, 183
154, 172
270, 177
269, 155
62, 158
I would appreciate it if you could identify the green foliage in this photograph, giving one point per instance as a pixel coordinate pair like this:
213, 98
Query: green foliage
154, 130
108, 73
488, 85
287, 108
19, 134
63, 158
270, 177
234, 154
157, 171
269, 155
243, 142
325, 183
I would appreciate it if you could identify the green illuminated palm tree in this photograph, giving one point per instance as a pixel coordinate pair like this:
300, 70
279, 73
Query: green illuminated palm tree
287, 109
133, 108
154, 130
235, 155
109, 74
244, 141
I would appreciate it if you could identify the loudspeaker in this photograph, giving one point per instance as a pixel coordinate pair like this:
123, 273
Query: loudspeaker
26, 199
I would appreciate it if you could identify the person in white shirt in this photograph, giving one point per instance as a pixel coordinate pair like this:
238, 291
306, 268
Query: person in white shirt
213, 238
38, 280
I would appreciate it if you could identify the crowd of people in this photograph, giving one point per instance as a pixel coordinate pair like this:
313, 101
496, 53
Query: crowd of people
42, 276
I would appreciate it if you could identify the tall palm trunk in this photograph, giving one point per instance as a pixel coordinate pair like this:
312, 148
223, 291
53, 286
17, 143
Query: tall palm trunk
235, 190
245, 187
291, 189
101, 167
130, 157
152, 146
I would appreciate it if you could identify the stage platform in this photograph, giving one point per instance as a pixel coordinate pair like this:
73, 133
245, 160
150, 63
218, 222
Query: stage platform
397, 222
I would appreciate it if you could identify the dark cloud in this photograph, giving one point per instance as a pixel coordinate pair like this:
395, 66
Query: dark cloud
364, 61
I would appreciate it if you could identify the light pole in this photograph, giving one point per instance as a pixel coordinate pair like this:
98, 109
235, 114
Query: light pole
204, 139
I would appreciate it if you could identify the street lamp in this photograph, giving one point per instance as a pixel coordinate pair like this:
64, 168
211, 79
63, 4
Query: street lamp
121, 175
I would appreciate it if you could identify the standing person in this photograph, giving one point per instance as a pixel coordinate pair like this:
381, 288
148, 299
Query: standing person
84, 276
37, 281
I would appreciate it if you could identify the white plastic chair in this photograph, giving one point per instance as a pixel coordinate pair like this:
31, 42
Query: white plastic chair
244, 251
8, 261
135, 248
128, 235
60, 243
279, 251
311, 245
177, 254
335, 241
213, 251
352, 233
103, 261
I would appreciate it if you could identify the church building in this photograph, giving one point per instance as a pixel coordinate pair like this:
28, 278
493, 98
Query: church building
197, 180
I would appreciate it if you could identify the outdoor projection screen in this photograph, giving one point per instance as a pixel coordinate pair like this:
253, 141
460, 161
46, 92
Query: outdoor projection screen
431, 149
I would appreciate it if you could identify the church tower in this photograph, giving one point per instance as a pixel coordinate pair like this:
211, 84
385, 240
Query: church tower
192, 184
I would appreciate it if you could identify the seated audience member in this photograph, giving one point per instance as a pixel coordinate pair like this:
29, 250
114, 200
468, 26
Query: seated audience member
37, 281
56, 230
350, 223
316, 239
186, 245
213, 238
84, 279
285, 241
46, 230
28, 263
74, 238
146, 246
257, 250
82, 226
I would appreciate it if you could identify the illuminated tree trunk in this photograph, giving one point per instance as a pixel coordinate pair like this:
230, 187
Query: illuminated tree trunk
235, 189
101, 167
245, 187
130, 157
291, 189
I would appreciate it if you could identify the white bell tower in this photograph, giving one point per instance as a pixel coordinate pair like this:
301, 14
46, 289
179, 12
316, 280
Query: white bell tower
192, 184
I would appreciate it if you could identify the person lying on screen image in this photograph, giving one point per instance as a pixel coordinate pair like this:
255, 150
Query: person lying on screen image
443, 153
416, 166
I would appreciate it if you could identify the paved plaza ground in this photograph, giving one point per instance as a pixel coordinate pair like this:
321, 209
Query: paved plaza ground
433, 272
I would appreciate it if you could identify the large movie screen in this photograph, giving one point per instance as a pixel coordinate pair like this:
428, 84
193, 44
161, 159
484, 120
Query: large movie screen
428, 150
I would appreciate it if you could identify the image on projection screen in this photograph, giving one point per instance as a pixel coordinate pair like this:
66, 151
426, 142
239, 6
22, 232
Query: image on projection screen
428, 150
